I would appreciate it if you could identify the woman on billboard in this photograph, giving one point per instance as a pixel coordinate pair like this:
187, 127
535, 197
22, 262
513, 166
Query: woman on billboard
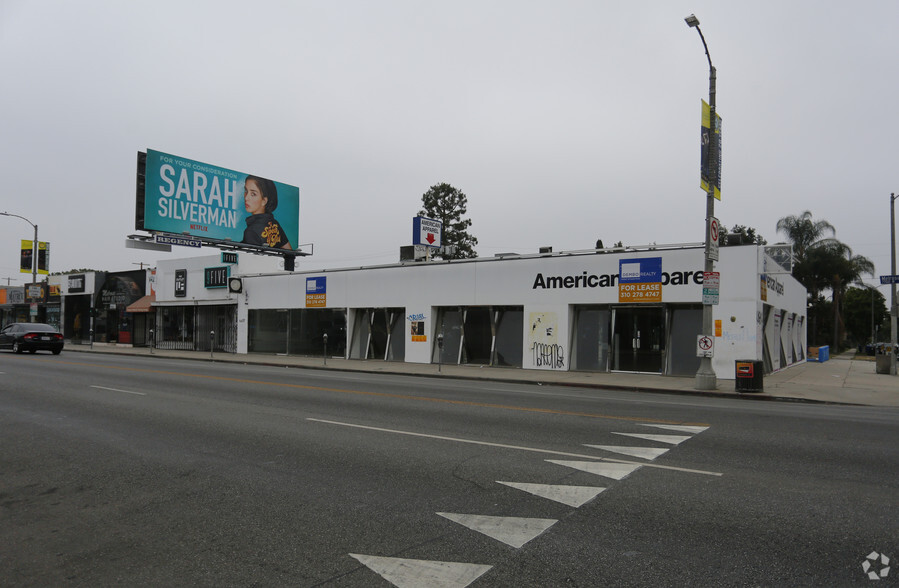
260, 198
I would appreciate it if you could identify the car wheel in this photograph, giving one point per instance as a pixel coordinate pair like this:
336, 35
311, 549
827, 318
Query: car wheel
57, 351
16, 348
32, 351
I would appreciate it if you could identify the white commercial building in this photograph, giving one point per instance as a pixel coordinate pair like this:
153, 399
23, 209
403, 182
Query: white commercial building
623, 310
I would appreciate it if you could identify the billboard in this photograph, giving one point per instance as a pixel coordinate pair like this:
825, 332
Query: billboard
186, 197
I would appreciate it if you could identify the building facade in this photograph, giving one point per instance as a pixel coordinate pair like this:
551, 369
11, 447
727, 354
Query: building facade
629, 311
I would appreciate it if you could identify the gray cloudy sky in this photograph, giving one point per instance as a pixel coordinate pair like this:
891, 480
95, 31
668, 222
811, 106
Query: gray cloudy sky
562, 121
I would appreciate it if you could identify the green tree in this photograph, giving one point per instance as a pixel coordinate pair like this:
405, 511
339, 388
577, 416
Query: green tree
449, 205
748, 235
805, 233
865, 311
806, 236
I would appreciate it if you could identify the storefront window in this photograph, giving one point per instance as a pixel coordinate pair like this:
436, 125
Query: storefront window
486, 335
591, 340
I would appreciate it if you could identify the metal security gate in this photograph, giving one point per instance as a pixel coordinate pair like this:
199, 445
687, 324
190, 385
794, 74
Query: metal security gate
197, 328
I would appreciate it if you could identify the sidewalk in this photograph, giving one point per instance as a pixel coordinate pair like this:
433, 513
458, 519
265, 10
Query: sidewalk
842, 380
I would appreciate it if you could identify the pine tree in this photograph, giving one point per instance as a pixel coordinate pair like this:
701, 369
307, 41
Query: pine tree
449, 206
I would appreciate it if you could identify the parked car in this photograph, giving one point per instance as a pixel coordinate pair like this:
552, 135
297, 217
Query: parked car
31, 337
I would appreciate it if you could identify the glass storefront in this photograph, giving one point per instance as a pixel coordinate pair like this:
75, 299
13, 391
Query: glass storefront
379, 333
480, 335
297, 331
197, 328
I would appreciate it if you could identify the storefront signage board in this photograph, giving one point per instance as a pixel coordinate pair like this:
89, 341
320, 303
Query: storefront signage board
317, 292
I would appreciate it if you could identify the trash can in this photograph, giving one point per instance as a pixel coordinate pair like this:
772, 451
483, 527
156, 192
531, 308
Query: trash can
749, 375
882, 361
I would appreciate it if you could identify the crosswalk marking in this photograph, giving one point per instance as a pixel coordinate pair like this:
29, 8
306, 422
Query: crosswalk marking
568, 495
642, 452
616, 471
682, 428
414, 573
670, 439
513, 531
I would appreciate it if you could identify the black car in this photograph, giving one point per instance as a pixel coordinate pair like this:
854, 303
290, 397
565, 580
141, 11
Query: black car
31, 337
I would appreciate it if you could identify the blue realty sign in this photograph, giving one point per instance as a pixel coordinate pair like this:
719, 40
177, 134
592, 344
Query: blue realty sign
640, 271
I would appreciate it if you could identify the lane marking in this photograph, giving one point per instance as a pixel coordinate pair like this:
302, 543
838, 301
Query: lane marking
380, 394
117, 390
575, 496
513, 531
419, 572
669, 439
641, 452
681, 428
515, 447
616, 471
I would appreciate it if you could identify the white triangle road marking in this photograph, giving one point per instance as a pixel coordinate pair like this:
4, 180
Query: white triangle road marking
413, 573
670, 439
616, 471
514, 531
682, 428
568, 495
642, 452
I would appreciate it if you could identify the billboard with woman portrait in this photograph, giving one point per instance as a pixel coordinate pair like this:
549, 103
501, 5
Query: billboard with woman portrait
183, 196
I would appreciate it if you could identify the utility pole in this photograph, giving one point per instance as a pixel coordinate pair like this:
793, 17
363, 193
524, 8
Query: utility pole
705, 375
34, 252
893, 310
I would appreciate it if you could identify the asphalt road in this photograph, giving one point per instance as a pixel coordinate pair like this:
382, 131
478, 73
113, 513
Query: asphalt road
155, 472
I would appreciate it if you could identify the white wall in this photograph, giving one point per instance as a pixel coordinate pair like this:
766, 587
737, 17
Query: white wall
421, 288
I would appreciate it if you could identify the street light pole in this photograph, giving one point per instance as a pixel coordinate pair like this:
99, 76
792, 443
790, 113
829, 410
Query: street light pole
893, 310
34, 251
705, 375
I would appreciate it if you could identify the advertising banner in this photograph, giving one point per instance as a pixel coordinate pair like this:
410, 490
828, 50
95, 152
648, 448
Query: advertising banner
27, 257
706, 143
183, 196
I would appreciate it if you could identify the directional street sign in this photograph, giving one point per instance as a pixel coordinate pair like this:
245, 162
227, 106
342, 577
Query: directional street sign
426, 231
889, 279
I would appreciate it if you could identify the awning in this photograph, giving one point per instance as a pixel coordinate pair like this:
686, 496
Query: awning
141, 304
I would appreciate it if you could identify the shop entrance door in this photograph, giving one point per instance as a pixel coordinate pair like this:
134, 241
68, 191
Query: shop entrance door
639, 339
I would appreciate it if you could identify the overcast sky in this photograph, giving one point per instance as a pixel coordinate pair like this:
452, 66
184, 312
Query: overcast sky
563, 122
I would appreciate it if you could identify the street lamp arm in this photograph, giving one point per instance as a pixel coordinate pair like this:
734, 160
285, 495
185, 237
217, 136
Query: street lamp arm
17, 216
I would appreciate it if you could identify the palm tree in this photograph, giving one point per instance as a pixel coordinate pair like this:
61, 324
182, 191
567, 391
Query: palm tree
833, 265
804, 233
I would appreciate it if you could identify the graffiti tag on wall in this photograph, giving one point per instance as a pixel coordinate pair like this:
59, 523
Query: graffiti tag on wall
544, 341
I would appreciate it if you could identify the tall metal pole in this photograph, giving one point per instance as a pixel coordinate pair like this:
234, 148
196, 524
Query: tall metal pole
893, 310
705, 375
34, 251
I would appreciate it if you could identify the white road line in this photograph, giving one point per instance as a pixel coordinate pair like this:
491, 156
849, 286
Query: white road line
516, 447
117, 390
513, 531
416, 572
575, 496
